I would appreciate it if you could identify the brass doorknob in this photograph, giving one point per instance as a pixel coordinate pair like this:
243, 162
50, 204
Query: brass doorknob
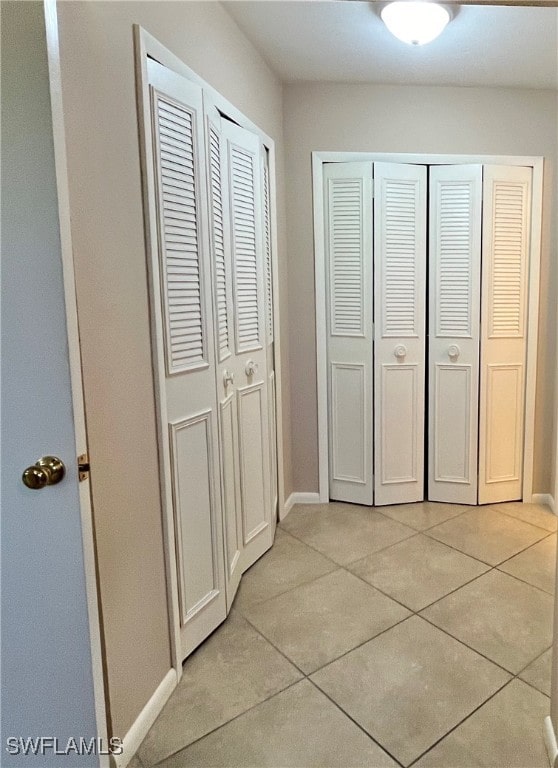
46, 471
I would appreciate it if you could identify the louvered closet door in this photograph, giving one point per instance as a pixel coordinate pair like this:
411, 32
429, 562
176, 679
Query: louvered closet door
269, 331
349, 274
181, 313
455, 266
399, 329
244, 375
225, 349
506, 226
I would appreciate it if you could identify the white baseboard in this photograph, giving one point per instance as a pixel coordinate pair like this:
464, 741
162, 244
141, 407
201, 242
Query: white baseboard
145, 720
550, 742
300, 498
544, 498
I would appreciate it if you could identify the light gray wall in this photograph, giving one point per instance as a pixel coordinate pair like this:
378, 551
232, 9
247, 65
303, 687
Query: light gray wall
375, 118
110, 261
47, 683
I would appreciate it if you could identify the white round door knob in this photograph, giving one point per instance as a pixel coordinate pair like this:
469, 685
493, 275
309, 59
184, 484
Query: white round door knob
453, 352
400, 351
251, 368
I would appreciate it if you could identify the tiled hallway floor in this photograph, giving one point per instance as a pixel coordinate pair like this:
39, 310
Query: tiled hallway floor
406, 635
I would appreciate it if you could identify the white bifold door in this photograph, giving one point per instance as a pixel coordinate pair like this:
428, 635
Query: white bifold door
207, 229
506, 228
380, 280
348, 214
375, 216
455, 273
238, 235
400, 195
182, 320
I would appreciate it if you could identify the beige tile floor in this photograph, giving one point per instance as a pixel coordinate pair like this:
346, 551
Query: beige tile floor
408, 635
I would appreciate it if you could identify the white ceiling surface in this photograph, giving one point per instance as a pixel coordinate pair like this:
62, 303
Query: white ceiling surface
347, 42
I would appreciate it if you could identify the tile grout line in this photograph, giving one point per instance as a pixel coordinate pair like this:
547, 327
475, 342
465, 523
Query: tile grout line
461, 722
352, 719
222, 725
412, 612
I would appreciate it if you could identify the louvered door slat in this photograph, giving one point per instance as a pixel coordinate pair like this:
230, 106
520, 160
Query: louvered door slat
218, 240
346, 207
179, 237
242, 168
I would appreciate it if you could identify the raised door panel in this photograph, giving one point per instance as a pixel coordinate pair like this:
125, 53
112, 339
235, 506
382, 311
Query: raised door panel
506, 227
455, 264
230, 483
399, 331
196, 514
253, 444
184, 361
348, 236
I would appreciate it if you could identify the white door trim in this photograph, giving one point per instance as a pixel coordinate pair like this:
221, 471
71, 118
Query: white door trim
63, 194
145, 45
537, 164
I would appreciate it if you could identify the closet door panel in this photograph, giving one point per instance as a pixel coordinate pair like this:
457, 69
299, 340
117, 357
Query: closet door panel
221, 258
348, 221
399, 331
270, 331
246, 370
182, 321
506, 227
455, 266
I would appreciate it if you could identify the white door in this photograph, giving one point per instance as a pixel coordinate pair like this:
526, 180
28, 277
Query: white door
242, 379
349, 279
399, 331
269, 333
183, 327
506, 227
48, 670
454, 327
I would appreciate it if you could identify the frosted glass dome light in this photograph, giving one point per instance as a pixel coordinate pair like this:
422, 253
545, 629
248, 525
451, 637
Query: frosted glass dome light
415, 23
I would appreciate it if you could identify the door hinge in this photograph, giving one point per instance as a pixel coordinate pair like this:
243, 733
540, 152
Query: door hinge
83, 466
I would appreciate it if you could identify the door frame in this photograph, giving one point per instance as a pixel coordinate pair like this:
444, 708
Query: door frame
537, 165
146, 46
76, 380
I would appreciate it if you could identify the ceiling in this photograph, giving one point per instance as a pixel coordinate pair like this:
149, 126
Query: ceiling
339, 41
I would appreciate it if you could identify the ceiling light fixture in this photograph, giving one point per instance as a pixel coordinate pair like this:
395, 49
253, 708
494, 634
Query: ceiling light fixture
415, 22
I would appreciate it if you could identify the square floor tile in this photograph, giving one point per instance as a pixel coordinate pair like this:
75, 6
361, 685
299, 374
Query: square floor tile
536, 565
317, 622
536, 514
487, 535
538, 672
299, 728
233, 670
288, 564
423, 514
502, 618
409, 686
506, 732
418, 571
344, 532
